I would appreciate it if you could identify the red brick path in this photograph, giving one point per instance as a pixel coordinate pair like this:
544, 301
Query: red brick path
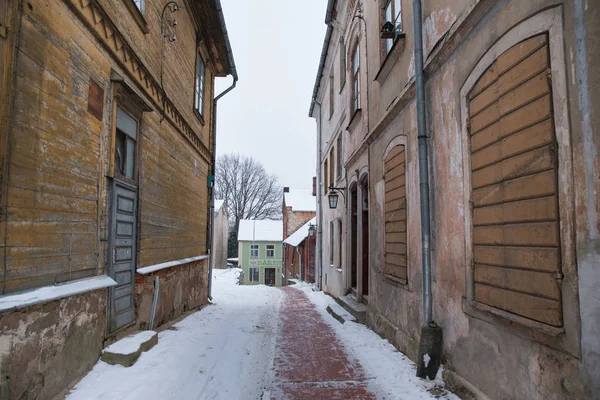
310, 361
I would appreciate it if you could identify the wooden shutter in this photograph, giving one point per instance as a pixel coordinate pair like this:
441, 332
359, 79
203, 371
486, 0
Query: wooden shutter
395, 213
516, 241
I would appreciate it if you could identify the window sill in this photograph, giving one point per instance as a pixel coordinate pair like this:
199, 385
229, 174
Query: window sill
528, 323
391, 58
354, 120
137, 16
394, 280
199, 116
339, 270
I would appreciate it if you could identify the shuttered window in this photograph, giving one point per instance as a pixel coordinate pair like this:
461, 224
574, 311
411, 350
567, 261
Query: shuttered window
395, 213
516, 240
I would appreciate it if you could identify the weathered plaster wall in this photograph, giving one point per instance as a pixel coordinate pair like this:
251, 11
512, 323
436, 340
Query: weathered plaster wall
45, 348
486, 351
182, 288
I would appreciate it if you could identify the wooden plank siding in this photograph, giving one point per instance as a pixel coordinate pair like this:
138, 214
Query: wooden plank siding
514, 173
395, 213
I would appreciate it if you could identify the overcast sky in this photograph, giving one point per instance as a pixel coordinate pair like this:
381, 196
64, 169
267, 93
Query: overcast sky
276, 45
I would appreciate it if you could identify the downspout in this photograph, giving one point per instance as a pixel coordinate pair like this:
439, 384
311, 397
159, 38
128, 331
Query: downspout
233, 72
320, 203
431, 335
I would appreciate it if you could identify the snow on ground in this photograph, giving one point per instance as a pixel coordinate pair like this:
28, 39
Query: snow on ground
221, 352
391, 375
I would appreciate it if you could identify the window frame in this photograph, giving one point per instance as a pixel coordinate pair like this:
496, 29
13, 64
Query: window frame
340, 241
136, 154
326, 175
331, 96
257, 251
138, 14
338, 147
272, 249
342, 64
331, 244
251, 271
355, 99
199, 93
395, 15
565, 339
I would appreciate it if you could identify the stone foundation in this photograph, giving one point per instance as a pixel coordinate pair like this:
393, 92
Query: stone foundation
47, 347
181, 288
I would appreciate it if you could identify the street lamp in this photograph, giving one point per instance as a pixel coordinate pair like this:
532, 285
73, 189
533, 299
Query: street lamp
334, 196
311, 230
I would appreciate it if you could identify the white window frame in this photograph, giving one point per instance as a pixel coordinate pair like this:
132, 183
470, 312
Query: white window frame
393, 14
257, 274
270, 248
252, 248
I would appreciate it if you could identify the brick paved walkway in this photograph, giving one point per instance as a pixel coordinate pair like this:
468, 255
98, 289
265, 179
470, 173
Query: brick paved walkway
310, 361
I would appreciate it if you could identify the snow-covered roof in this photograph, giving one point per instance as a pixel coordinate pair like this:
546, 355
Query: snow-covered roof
300, 200
260, 231
297, 237
218, 204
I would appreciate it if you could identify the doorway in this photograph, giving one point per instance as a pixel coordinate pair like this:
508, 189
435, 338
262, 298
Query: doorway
123, 223
364, 187
353, 237
270, 276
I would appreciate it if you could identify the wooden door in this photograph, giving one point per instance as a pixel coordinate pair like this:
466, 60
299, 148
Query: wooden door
123, 234
270, 276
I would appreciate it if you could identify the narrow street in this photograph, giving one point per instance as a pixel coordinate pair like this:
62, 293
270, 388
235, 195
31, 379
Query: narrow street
258, 342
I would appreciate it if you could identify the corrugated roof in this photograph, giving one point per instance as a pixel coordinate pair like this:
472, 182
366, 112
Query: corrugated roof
260, 231
302, 233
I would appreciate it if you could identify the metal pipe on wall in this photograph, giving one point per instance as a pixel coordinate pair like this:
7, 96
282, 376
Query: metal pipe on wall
319, 202
430, 346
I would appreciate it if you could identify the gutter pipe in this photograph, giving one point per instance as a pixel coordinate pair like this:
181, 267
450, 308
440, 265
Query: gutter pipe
233, 72
431, 335
319, 202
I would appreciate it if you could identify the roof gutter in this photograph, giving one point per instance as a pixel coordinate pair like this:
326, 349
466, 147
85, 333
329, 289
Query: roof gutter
324, 51
232, 67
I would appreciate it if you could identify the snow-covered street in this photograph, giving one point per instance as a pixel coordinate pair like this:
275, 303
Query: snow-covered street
245, 347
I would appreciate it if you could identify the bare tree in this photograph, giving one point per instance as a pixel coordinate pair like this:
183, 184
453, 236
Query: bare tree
249, 190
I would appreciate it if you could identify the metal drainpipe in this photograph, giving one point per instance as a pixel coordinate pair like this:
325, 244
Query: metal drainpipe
212, 190
431, 335
319, 203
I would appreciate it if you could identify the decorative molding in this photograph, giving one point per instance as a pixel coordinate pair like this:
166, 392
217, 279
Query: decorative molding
92, 14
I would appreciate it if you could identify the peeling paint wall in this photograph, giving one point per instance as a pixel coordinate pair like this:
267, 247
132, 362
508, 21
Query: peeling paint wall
481, 349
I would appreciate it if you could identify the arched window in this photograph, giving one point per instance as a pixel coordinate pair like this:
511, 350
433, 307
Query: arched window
395, 213
356, 78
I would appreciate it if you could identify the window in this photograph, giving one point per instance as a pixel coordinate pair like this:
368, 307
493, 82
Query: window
141, 5
270, 251
332, 165
395, 213
331, 97
339, 156
331, 243
199, 88
253, 251
515, 213
254, 274
342, 63
339, 248
125, 145
393, 14
356, 79
326, 176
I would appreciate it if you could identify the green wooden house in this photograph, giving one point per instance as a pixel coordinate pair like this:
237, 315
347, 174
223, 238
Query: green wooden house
259, 250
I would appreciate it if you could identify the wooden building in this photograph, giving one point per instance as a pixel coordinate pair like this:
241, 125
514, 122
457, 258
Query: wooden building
106, 156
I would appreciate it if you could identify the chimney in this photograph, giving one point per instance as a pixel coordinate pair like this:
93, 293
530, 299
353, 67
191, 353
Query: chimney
314, 186
286, 189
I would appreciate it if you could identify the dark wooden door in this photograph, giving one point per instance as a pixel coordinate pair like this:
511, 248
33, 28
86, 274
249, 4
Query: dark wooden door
123, 233
353, 234
270, 276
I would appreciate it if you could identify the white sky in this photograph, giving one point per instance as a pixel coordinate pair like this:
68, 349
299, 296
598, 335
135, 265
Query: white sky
276, 45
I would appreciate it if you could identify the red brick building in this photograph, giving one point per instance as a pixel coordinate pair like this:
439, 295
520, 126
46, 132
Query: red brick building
299, 250
298, 208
